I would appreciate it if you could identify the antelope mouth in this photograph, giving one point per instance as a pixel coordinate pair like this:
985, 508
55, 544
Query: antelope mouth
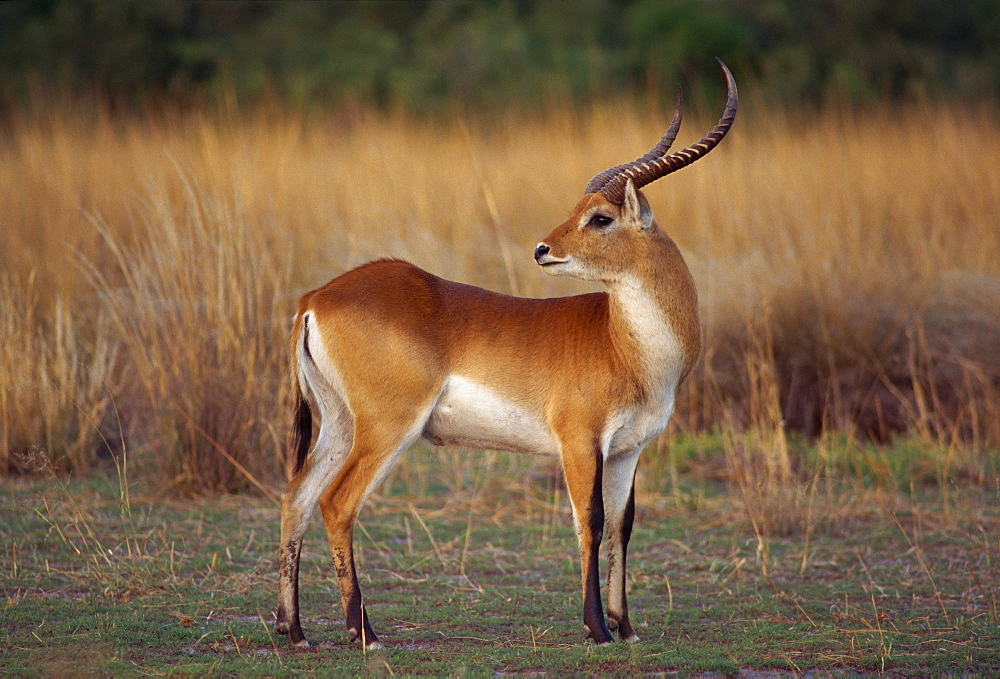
549, 260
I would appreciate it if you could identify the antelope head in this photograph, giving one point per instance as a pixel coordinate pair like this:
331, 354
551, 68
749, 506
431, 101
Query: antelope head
613, 221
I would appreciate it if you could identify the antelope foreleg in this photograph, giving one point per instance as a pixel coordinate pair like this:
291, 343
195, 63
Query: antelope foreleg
583, 471
619, 505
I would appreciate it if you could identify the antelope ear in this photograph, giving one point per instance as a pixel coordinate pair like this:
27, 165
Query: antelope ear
635, 208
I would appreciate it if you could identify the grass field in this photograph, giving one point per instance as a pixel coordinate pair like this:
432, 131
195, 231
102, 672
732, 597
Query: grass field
470, 567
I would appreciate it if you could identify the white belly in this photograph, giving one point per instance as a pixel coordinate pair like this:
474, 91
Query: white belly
469, 414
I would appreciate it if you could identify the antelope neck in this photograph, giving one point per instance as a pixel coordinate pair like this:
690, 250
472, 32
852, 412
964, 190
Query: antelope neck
648, 311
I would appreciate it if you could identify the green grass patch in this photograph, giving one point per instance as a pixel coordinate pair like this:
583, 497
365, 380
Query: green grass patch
478, 574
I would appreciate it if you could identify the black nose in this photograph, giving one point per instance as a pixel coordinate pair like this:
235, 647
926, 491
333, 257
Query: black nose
541, 251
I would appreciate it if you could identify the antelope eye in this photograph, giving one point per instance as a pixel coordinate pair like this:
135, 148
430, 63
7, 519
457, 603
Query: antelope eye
600, 221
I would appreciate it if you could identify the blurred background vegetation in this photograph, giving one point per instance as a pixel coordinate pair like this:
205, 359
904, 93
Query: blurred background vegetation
426, 56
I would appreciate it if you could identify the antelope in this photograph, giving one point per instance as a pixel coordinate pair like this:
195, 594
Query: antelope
387, 354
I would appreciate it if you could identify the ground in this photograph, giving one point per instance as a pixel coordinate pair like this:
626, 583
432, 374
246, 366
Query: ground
485, 582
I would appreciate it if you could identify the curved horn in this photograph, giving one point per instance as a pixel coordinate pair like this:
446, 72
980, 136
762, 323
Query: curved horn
642, 173
598, 181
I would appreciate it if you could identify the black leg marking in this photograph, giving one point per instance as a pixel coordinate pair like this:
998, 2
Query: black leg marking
593, 612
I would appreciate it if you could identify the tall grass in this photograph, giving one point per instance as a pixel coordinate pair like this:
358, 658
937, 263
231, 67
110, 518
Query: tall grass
848, 266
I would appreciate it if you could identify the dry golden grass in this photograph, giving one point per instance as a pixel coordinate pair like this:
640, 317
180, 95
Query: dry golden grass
848, 266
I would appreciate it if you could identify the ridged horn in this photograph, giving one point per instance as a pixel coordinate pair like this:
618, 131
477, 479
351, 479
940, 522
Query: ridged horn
598, 181
642, 171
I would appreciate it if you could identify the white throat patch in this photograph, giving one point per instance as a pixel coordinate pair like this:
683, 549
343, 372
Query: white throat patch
661, 350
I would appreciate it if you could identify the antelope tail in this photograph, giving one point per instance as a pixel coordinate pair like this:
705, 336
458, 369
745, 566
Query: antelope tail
300, 435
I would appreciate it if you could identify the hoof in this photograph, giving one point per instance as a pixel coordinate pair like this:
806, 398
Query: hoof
603, 640
634, 639
372, 645
294, 633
